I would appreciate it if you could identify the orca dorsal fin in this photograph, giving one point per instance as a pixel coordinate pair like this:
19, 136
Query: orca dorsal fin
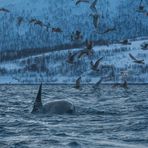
38, 101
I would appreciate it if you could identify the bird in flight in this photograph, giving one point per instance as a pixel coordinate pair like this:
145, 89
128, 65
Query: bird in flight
125, 42
88, 50
4, 10
71, 57
19, 20
80, 1
58, 30
135, 60
108, 30
141, 7
94, 66
33, 20
93, 6
36, 22
144, 46
83, 52
76, 36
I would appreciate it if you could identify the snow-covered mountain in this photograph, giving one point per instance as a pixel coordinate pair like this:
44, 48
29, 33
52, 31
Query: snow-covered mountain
53, 67
69, 17
24, 46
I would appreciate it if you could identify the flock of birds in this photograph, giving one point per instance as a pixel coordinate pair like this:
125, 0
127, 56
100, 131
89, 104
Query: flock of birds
141, 8
77, 35
34, 21
88, 50
96, 66
95, 16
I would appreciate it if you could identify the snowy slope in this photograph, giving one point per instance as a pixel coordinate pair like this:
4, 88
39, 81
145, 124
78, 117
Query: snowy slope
53, 68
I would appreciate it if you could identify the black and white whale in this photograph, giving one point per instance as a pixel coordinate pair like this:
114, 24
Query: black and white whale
55, 107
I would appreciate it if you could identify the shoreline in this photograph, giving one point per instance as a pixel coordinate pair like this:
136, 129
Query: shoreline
69, 83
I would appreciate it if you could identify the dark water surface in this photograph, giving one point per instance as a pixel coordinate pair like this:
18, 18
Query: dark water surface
105, 118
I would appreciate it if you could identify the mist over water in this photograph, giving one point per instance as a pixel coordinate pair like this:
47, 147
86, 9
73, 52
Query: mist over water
104, 117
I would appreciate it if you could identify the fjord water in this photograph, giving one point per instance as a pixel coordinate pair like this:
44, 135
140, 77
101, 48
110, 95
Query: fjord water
104, 118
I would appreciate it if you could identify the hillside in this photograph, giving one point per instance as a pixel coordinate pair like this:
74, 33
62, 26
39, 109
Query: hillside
69, 17
37, 36
53, 67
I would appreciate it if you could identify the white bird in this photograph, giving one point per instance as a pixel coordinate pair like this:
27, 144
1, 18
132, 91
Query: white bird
71, 57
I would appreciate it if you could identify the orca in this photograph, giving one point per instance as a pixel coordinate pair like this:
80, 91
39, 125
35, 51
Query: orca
54, 107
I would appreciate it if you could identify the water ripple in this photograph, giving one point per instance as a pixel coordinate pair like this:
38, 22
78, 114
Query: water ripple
105, 117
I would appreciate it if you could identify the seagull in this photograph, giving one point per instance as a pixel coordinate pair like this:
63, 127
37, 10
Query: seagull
77, 85
95, 20
4, 10
38, 22
141, 7
125, 42
57, 30
89, 45
93, 6
33, 20
94, 66
83, 52
144, 46
76, 36
71, 57
135, 59
80, 1
88, 50
108, 30
19, 20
